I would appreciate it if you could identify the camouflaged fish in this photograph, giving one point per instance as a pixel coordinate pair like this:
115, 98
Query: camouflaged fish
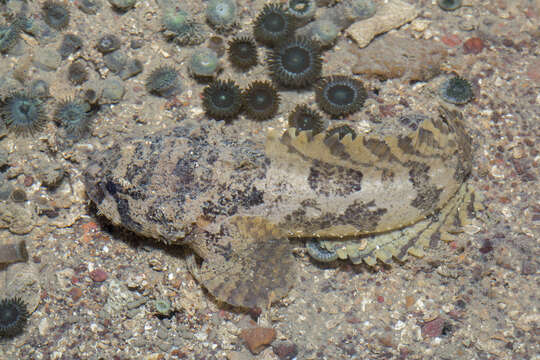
236, 201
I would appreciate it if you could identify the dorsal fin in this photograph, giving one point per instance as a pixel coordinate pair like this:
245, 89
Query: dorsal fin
433, 140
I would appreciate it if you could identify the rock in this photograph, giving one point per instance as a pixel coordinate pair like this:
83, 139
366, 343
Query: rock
389, 16
118, 296
98, 275
285, 350
18, 218
48, 59
473, 45
403, 57
112, 91
44, 326
433, 328
49, 172
23, 281
115, 61
258, 338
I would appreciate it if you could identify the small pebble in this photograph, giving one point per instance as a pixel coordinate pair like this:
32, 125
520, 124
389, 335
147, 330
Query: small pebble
258, 338
123, 5
115, 61
98, 275
473, 45
113, 91
48, 59
451, 40
486, 247
89, 7
285, 350
162, 333
137, 43
433, 328
76, 293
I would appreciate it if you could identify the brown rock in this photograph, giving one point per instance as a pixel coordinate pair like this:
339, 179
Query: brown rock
433, 328
473, 45
258, 338
285, 350
533, 71
98, 275
76, 293
394, 56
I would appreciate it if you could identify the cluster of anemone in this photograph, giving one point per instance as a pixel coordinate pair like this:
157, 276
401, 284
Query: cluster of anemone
293, 61
224, 100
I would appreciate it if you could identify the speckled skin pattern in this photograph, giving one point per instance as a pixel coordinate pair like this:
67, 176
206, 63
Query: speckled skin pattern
236, 200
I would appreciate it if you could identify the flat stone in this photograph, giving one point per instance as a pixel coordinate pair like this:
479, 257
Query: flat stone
258, 338
49, 59
390, 16
112, 91
412, 59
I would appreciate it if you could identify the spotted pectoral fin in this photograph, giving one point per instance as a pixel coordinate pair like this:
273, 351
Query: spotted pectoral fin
252, 267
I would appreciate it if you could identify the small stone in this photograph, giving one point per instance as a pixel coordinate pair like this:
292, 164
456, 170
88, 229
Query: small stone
285, 350
414, 60
50, 173
112, 91
115, 61
390, 16
76, 293
28, 180
486, 247
136, 44
98, 275
420, 25
473, 45
162, 333
433, 328
139, 342
43, 327
123, 5
132, 68
451, 40
533, 71
164, 346
258, 338
48, 59
136, 303
528, 267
